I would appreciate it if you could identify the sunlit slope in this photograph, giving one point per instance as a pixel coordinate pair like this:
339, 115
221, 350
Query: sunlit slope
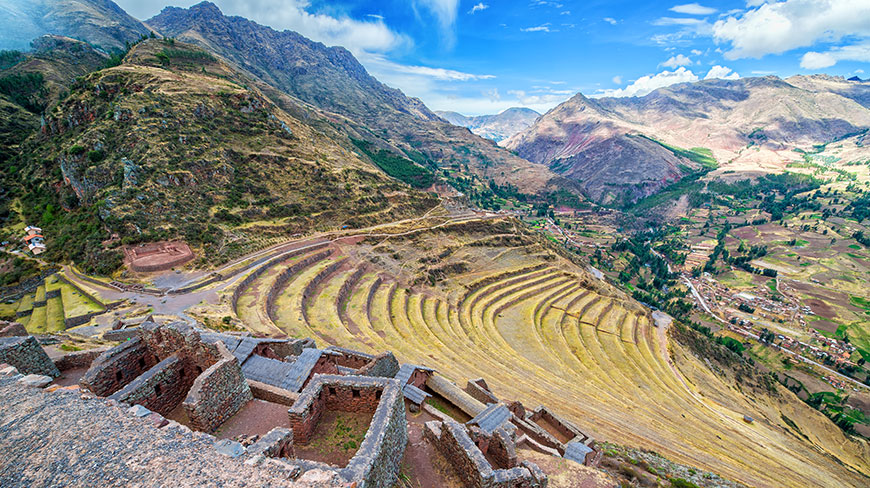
538, 335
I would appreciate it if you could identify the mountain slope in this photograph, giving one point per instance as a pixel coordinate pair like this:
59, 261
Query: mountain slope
173, 144
333, 80
100, 22
750, 122
497, 127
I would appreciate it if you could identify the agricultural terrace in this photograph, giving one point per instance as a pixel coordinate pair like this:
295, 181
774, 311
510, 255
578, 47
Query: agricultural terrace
542, 331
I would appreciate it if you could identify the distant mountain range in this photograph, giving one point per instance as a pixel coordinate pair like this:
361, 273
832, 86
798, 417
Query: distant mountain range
623, 149
496, 127
99, 22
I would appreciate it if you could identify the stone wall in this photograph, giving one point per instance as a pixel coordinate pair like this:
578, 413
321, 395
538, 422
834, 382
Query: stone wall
347, 394
277, 443
453, 441
567, 429
310, 287
480, 393
78, 359
116, 367
11, 329
121, 334
272, 394
376, 463
217, 394
383, 365
27, 355
160, 389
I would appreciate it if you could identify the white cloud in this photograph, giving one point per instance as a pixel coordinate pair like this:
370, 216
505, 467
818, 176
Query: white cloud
777, 27
697, 52
692, 9
340, 30
687, 21
721, 72
676, 61
617, 80
540, 28
375, 16
389, 69
815, 60
610, 20
445, 11
477, 8
648, 83
859, 71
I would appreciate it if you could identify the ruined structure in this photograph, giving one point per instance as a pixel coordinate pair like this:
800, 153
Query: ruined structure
167, 366
157, 256
28, 357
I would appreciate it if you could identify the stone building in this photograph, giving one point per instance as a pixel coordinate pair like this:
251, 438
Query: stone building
170, 365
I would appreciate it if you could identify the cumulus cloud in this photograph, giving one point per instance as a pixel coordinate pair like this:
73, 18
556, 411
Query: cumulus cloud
815, 60
617, 80
692, 9
610, 20
676, 61
777, 27
477, 8
721, 72
648, 83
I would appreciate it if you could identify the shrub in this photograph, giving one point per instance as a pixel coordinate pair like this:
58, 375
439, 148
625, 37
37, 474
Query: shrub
76, 150
96, 156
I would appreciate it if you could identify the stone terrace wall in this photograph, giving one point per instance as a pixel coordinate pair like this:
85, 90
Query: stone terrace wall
217, 394
78, 359
452, 440
118, 366
160, 389
27, 355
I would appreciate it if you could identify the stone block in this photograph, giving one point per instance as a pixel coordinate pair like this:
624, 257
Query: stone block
35, 380
139, 411
229, 448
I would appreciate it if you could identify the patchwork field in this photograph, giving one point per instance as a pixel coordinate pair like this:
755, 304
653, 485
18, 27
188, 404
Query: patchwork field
542, 331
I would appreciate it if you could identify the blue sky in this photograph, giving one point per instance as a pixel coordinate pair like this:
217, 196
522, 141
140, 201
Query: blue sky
483, 56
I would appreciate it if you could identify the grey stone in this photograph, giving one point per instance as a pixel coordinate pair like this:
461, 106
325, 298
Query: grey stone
36, 380
139, 411
8, 371
229, 448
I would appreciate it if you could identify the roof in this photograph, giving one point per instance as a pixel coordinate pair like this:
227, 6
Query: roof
245, 348
493, 417
415, 394
577, 451
34, 236
240, 347
265, 370
406, 370
301, 369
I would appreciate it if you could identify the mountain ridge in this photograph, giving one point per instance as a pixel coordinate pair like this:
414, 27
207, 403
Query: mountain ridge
591, 140
497, 127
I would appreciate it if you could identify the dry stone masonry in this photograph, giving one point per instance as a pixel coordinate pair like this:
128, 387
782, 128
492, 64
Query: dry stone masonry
27, 355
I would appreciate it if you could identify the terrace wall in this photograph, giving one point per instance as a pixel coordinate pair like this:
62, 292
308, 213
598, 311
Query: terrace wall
281, 282
27, 355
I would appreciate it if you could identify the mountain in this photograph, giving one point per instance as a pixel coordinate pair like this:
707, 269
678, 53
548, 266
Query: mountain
496, 127
174, 142
331, 79
623, 149
99, 22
